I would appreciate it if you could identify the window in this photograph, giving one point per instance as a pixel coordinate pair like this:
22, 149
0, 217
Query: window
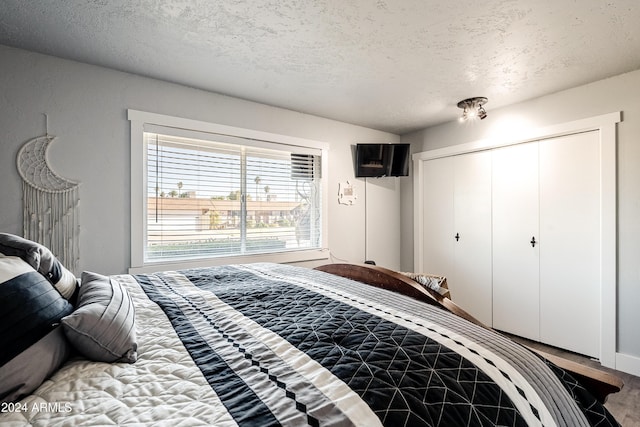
211, 192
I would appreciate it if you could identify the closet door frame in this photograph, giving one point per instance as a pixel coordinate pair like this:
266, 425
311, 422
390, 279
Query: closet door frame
606, 126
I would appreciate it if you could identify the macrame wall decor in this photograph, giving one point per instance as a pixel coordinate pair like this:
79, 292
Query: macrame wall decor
50, 203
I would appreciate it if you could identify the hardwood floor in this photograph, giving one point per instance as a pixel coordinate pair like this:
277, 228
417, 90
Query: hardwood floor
625, 405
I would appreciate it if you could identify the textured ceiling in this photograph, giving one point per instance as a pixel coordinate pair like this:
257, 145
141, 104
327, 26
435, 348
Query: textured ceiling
394, 65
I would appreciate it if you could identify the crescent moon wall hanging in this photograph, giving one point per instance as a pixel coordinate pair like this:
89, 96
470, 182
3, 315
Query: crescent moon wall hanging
50, 203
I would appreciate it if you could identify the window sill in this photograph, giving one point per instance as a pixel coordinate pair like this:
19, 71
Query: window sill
279, 257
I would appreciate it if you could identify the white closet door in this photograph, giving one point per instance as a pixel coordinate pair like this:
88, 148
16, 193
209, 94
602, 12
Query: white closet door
515, 223
470, 279
438, 217
570, 242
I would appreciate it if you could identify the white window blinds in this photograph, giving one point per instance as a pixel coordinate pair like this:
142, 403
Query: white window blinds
225, 196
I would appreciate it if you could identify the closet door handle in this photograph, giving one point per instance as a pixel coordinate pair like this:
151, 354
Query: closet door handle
533, 242
457, 236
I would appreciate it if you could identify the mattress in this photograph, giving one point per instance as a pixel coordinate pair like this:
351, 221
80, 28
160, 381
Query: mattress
270, 344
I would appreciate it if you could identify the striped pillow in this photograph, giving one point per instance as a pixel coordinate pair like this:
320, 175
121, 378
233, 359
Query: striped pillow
31, 307
103, 326
30, 312
41, 259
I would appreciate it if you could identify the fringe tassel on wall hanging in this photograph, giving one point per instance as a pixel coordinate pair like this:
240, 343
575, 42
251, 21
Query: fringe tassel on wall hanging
51, 203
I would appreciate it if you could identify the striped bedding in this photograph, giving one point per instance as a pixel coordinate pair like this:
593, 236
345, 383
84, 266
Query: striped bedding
269, 344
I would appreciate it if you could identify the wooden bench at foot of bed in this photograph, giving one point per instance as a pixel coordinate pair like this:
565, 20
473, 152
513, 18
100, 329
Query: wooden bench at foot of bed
598, 382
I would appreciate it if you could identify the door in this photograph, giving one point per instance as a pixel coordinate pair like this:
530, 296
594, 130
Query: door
516, 240
470, 278
438, 217
570, 242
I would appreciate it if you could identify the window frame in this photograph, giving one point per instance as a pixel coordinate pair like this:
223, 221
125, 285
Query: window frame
142, 121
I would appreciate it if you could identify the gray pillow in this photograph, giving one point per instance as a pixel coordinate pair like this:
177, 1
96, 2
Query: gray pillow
25, 372
102, 328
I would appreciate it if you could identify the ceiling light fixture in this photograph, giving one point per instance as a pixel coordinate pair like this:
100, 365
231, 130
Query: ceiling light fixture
472, 108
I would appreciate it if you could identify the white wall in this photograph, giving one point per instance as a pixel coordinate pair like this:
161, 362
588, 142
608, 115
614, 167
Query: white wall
620, 93
383, 221
87, 108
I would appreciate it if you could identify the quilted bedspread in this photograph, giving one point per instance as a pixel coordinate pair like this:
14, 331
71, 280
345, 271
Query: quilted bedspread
268, 344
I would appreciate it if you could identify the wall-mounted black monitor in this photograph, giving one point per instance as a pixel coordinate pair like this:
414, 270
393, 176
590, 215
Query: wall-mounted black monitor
378, 160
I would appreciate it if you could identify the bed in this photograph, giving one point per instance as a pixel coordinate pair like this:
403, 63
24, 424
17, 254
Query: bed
270, 344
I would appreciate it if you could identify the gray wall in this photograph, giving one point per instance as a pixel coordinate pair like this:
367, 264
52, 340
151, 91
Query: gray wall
87, 108
620, 93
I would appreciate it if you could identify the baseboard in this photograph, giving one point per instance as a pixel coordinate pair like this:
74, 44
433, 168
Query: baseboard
628, 364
